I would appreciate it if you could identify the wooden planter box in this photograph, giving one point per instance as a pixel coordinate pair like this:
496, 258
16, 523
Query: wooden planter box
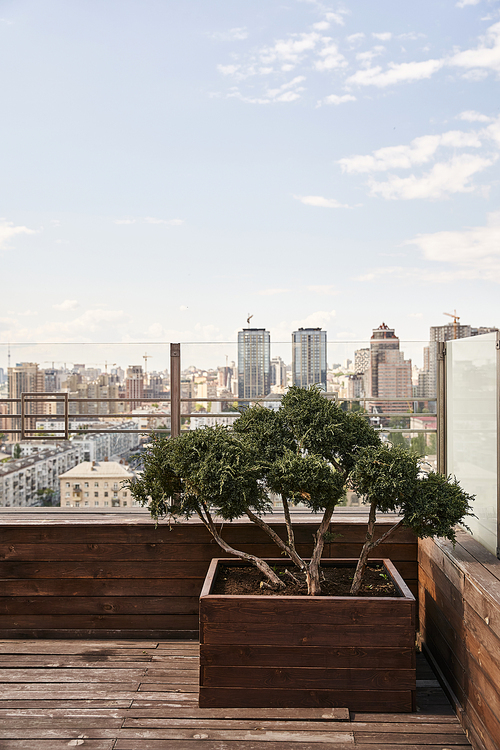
298, 651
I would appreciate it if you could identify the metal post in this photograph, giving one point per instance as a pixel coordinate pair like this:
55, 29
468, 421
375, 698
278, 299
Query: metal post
175, 390
441, 407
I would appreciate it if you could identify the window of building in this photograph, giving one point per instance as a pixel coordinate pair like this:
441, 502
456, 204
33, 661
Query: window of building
124, 502
67, 484
68, 494
96, 502
106, 494
106, 502
124, 494
86, 484
96, 484
105, 484
68, 503
115, 495
77, 505
96, 494
86, 502
86, 494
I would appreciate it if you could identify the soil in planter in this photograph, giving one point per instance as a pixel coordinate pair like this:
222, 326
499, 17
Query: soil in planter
335, 581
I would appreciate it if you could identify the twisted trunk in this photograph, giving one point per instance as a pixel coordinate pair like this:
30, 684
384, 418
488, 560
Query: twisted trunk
313, 582
368, 546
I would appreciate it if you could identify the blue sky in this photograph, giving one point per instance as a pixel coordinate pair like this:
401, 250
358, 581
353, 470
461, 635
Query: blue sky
169, 167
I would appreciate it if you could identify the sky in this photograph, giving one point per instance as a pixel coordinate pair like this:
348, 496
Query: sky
169, 168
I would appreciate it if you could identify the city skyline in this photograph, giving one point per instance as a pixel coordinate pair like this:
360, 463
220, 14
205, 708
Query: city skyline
173, 167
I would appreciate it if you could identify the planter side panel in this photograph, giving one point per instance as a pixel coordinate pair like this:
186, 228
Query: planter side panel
300, 651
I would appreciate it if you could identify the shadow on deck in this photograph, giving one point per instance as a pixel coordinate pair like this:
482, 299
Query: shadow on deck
142, 695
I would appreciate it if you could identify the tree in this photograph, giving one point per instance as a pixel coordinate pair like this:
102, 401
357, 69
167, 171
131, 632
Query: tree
310, 451
16, 453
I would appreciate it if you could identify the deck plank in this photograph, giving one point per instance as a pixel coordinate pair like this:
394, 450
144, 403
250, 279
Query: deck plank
121, 695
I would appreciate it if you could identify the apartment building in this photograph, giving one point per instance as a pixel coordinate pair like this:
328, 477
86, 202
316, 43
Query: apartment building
96, 484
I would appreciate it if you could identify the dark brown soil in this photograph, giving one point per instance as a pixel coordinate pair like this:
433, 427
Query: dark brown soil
335, 581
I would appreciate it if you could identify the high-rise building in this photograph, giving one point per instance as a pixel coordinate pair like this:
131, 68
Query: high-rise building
427, 386
361, 360
389, 374
134, 386
309, 357
254, 359
25, 378
278, 373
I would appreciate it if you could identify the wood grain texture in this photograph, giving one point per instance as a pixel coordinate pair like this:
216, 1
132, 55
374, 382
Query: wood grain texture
230, 625
65, 576
460, 623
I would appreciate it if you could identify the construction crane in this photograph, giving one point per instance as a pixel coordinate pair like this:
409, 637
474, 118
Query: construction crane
249, 319
456, 318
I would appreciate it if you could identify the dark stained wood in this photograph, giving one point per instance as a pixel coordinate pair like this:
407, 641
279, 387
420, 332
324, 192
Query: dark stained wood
77, 568
99, 605
235, 623
355, 700
318, 634
296, 610
460, 614
282, 656
309, 678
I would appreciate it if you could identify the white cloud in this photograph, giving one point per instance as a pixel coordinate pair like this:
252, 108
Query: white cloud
419, 151
463, 3
124, 221
272, 292
486, 55
68, 304
471, 116
290, 50
336, 99
228, 70
383, 36
321, 26
236, 34
319, 201
396, 73
444, 179
472, 246
365, 58
354, 39
336, 17
315, 320
8, 230
287, 92
330, 58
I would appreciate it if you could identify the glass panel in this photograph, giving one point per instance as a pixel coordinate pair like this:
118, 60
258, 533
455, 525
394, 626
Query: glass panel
471, 386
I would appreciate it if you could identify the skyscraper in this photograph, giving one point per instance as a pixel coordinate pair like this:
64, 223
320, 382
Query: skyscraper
134, 385
25, 378
389, 374
309, 357
254, 358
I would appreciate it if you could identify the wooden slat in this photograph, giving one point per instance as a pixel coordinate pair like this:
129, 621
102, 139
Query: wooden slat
353, 699
340, 657
49, 587
296, 610
99, 605
314, 679
314, 635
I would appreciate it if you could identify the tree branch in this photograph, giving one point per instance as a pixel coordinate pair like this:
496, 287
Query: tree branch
299, 562
288, 521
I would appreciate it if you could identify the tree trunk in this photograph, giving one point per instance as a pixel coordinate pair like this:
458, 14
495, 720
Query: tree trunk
363, 558
313, 582
290, 551
264, 568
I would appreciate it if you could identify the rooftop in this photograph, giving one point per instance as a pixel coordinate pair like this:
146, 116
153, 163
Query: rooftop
98, 469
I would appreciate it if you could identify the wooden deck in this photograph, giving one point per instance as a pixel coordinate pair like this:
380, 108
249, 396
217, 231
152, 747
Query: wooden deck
142, 695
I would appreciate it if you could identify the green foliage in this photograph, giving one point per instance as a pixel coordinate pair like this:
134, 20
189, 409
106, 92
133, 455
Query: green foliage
387, 474
16, 453
437, 506
391, 478
210, 468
